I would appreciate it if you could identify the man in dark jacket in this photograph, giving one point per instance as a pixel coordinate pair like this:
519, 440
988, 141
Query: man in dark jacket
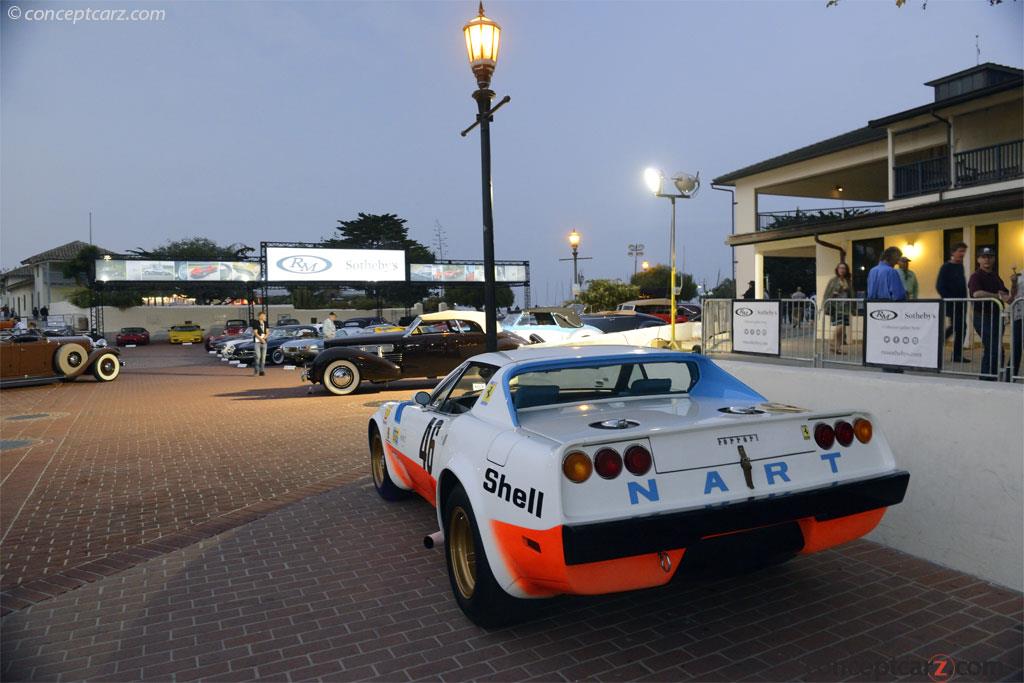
952, 284
749, 294
986, 285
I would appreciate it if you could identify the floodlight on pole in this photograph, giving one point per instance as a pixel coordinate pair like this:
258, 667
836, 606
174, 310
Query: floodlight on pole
687, 186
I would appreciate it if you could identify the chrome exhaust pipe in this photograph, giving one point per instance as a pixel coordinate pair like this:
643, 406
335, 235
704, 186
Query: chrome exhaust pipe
431, 540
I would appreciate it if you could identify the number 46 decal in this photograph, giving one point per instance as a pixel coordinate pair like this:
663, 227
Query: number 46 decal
427, 443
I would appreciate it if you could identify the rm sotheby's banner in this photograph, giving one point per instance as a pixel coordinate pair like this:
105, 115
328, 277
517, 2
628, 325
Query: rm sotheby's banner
313, 264
903, 333
755, 327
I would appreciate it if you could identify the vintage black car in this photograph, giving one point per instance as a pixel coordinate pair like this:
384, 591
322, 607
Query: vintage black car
621, 321
432, 346
244, 350
33, 358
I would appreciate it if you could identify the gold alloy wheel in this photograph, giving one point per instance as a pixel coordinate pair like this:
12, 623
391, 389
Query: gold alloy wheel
463, 552
377, 461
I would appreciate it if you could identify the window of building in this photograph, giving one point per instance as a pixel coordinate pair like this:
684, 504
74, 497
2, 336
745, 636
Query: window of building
985, 236
949, 238
866, 254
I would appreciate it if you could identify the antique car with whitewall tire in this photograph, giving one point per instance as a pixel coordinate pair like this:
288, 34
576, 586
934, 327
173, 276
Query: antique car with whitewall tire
595, 470
32, 358
431, 346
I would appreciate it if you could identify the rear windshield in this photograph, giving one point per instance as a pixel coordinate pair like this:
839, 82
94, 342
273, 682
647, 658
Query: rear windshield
591, 383
237, 323
133, 330
186, 328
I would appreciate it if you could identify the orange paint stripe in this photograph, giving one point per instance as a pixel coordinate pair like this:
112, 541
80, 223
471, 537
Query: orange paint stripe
412, 474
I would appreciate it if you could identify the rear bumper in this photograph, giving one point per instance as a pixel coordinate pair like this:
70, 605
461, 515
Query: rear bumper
600, 541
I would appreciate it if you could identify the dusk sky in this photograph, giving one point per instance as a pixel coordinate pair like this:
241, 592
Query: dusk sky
250, 121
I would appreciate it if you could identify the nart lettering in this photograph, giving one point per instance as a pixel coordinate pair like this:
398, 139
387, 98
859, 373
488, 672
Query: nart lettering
532, 501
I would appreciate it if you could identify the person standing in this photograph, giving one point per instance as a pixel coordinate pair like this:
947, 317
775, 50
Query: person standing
885, 284
908, 278
35, 312
259, 343
839, 287
330, 330
749, 294
798, 306
952, 284
986, 284
883, 281
45, 312
1016, 324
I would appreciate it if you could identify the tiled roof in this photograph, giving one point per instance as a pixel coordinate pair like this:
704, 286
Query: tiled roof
64, 252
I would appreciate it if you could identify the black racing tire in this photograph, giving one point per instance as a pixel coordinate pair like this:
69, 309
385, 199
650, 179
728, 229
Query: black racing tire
382, 481
106, 368
473, 584
277, 357
70, 358
341, 377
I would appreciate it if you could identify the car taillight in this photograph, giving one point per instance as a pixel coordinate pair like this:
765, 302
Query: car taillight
608, 463
844, 433
577, 467
638, 460
824, 435
862, 429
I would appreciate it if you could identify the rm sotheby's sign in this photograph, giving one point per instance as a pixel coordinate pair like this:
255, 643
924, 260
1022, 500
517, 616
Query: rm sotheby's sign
312, 264
755, 327
903, 333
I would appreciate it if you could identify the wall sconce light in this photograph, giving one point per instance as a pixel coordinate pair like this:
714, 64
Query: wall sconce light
838, 189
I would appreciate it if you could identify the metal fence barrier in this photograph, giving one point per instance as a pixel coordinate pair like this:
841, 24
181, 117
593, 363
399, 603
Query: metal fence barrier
796, 338
833, 334
1016, 322
841, 332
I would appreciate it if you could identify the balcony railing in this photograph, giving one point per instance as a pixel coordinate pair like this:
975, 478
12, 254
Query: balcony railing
774, 220
922, 177
989, 164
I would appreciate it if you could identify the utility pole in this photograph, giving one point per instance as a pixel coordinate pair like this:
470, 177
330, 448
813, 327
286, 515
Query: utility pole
90, 227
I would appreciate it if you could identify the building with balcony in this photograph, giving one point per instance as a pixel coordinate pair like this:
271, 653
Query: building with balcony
922, 179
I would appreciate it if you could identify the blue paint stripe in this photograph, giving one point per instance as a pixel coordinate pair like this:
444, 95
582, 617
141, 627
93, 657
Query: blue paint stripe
399, 409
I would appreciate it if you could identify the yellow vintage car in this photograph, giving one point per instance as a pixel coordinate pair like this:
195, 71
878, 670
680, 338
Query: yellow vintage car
181, 334
382, 329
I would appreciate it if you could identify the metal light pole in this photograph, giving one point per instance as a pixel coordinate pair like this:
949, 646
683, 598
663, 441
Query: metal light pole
636, 251
483, 38
687, 185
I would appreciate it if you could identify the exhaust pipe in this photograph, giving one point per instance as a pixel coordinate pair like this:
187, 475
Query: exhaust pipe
431, 540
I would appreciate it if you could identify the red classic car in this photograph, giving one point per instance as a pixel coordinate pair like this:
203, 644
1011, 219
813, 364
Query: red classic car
132, 335
32, 358
232, 328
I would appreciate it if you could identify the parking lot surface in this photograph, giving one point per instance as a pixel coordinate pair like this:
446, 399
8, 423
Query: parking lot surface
190, 521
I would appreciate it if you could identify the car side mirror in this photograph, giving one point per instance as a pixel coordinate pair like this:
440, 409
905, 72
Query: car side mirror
422, 397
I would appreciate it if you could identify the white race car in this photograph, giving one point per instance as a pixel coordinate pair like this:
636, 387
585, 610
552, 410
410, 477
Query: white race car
591, 470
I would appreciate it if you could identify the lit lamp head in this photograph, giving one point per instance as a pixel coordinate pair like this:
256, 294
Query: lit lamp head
574, 240
645, 265
653, 178
483, 37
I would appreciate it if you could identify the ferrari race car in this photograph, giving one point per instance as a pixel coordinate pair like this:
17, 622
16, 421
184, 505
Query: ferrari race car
590, 470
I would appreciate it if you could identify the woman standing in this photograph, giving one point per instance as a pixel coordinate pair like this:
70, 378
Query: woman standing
839, 287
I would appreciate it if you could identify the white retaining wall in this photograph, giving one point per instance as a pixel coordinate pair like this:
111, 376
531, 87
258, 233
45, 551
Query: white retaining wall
962, 442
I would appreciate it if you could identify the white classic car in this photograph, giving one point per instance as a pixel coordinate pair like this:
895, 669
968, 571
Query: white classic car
590, 470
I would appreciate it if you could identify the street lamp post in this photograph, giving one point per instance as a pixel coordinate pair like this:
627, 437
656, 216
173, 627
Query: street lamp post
636, 251
483, 38
574, 244
687, 186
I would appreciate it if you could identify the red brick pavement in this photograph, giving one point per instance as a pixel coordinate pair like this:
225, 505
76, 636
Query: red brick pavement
339, 587
179, 447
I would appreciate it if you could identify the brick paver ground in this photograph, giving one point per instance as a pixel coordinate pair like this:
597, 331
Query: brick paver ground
177, 441
281, 567
339, 587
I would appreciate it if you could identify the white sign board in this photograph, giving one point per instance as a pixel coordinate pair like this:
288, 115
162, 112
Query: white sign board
286, 264
903, 334
755, 327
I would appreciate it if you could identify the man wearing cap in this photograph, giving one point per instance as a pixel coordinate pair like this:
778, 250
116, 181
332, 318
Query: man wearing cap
986, 284
908, 277
749, 294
